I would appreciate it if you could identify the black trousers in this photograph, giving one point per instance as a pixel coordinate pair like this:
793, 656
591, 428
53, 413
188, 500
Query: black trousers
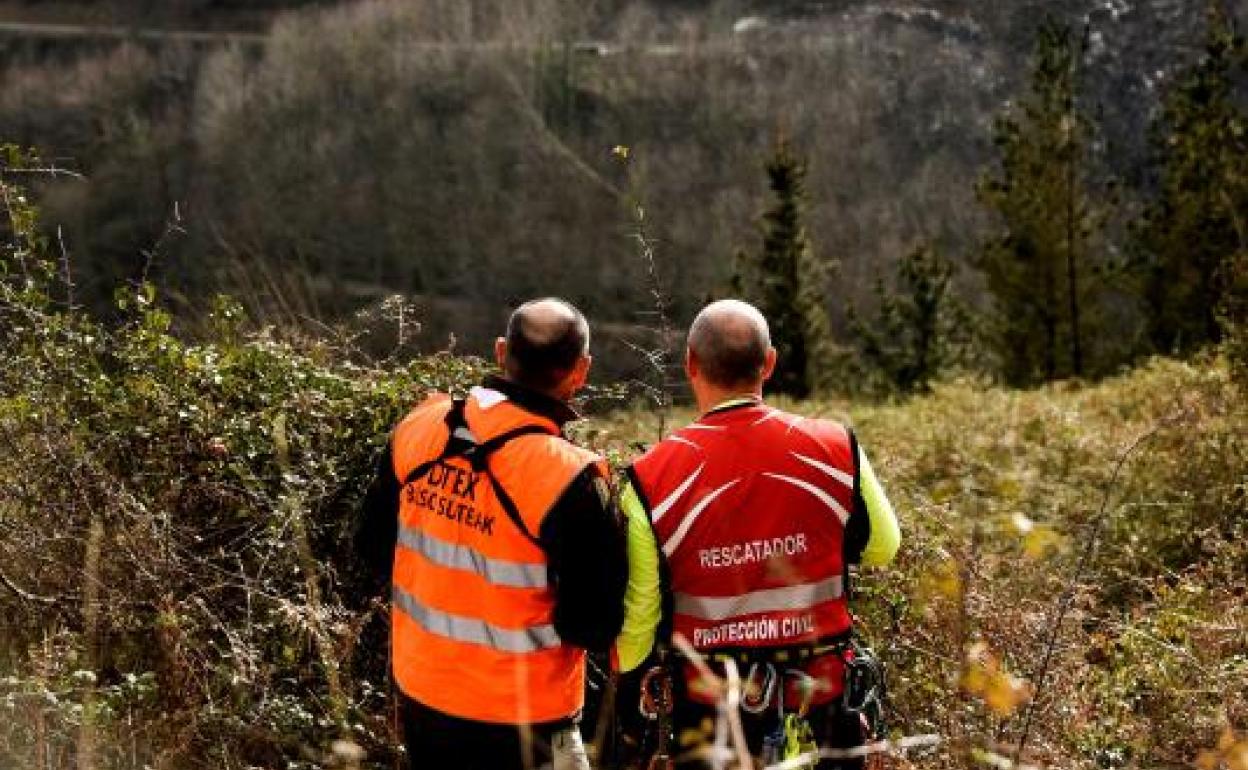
831, 725
438, 741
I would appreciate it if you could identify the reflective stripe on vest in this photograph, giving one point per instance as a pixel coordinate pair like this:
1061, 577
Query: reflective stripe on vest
499, 572
787, 599
475, 631
819, 494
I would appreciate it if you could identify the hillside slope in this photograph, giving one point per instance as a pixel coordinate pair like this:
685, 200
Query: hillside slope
344, 151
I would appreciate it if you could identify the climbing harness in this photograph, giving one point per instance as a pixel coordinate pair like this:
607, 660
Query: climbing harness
865, 691
770, 686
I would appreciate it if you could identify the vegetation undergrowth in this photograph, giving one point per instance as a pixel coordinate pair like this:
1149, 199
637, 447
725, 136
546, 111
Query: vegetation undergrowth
176, 589
998, 492
175, 582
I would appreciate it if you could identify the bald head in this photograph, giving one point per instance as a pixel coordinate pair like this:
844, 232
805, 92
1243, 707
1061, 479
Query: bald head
546, 338
729, 340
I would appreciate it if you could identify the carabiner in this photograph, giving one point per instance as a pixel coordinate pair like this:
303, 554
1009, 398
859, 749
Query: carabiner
656, 694
806, 686
756, 699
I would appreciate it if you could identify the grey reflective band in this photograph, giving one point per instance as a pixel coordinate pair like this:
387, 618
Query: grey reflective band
474, 630
498, 572
799, 597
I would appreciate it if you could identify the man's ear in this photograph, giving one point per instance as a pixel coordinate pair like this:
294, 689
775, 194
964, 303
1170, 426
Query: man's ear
500, 353
769, 364
582, 370
691, 365
576, 378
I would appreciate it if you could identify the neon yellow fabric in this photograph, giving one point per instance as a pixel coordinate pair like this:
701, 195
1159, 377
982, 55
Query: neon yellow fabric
885, 536
643, 599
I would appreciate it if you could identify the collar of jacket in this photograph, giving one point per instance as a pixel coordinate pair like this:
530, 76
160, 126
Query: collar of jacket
733, 403
532, 401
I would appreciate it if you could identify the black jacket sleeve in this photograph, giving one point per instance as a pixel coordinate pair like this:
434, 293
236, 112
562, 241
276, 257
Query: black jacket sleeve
858, 528
588, 563
377, 529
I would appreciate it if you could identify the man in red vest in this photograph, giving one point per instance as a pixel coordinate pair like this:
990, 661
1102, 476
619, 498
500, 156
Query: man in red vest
741, 530
504, 559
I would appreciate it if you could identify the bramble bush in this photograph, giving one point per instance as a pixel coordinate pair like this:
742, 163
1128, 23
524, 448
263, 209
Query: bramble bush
175, 590
1011, 500
174, 524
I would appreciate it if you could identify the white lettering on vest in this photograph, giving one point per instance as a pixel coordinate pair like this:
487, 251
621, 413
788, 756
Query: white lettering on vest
760, 630
756, 630
737, 554
798, 626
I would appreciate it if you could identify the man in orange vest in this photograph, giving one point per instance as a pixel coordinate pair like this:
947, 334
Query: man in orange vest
741, 529
505, 558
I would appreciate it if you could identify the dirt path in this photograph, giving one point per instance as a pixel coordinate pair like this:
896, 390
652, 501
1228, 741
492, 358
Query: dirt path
71, 31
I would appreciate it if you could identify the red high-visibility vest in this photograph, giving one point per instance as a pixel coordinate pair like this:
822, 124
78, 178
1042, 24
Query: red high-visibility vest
472, 616
750, 506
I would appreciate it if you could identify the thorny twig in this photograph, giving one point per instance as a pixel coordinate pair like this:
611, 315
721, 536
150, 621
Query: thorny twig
24, 594
52, 171
173, 226
1066, 600
657, 358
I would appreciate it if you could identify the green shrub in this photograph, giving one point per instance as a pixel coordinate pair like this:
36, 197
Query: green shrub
174, 524
999, 492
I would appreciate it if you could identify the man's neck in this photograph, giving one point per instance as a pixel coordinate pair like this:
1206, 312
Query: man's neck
539, 402
554, 395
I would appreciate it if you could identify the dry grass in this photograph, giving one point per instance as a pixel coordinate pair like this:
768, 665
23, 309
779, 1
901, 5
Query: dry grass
999, 492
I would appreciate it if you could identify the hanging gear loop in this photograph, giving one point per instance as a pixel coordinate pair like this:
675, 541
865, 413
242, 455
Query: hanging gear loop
657, 704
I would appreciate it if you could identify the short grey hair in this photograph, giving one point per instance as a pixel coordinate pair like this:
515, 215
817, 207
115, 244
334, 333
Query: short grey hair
730, 339
545, 339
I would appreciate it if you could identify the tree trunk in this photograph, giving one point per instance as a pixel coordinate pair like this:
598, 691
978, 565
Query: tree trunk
1049, 320
1072, 275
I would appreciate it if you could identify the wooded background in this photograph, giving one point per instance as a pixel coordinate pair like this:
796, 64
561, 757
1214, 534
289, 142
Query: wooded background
460, 153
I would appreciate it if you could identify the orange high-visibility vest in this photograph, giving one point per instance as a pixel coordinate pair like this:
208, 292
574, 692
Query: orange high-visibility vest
473, 631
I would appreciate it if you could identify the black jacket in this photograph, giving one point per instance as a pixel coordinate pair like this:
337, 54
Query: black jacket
581, 535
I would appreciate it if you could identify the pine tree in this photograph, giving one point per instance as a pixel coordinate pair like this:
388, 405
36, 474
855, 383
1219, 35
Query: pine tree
1235, 311
1192, 232
1037, 269
919, 329
786, 280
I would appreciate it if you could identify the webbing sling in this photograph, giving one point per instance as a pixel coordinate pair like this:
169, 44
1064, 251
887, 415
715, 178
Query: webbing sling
460, 443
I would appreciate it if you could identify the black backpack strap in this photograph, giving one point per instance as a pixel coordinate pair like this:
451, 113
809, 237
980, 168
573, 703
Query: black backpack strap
857, 531
509, 507
461, 443
479, 457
